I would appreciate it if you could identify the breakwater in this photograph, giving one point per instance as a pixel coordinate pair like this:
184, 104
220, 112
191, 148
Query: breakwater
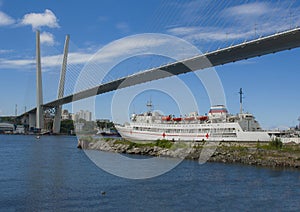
259, 154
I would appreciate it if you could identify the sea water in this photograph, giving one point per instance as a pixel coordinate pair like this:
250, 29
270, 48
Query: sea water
51, 174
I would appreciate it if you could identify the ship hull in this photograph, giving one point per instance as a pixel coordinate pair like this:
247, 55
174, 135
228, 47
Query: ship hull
130, 133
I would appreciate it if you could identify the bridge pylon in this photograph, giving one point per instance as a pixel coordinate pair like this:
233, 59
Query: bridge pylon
39, 86
61, 87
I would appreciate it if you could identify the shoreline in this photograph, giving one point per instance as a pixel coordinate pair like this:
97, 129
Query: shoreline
257, 154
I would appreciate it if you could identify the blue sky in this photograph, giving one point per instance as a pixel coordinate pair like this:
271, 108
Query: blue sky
270, 82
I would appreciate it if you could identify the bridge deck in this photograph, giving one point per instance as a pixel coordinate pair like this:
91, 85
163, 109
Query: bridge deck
274, 43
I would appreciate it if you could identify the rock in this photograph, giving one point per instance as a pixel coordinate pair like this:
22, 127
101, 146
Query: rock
136, 150
224, 153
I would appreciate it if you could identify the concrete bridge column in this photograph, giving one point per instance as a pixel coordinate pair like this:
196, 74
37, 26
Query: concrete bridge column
61, 88
39, 87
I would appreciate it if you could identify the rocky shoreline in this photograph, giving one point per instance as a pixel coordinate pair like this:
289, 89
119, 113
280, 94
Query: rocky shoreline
259, 154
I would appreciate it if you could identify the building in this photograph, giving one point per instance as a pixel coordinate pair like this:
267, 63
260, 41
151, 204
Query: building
78, 127
85, 115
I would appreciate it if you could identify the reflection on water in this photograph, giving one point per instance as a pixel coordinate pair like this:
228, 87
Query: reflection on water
52, 174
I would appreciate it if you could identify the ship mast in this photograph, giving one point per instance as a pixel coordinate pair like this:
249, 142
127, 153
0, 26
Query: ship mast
149, 105
241, 100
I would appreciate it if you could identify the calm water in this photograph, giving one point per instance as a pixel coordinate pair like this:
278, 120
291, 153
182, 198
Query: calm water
52, 174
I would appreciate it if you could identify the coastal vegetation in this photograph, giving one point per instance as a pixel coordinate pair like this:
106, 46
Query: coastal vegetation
66, 127
158, 143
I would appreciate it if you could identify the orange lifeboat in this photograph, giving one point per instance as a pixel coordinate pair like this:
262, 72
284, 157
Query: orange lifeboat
202, 118
189, 118
177, 119
166, 118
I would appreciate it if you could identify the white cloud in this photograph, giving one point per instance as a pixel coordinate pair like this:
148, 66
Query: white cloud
16, 63
47, 38
208, 34
123, 27
4, 51
251, 9
5, 19
48, 62
37, 20
183, 30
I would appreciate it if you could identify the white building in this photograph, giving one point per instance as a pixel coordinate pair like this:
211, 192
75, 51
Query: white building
86, 115
78, 127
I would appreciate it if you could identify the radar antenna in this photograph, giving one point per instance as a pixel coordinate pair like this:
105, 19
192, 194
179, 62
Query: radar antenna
149, 105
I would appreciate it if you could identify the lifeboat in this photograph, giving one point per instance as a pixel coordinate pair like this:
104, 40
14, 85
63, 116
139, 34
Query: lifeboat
166, 118
189, 118
202, 118
177, 119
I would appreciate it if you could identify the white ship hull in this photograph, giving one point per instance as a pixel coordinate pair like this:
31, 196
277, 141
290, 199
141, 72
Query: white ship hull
192, 132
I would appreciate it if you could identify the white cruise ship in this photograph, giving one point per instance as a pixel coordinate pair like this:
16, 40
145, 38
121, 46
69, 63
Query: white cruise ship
217, 125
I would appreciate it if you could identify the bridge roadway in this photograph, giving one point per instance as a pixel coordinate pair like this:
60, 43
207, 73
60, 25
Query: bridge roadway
265, 45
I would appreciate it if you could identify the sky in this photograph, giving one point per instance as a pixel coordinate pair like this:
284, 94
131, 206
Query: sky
103, 32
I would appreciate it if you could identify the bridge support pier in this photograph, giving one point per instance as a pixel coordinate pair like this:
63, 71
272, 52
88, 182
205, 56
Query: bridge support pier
32, 120
57, 119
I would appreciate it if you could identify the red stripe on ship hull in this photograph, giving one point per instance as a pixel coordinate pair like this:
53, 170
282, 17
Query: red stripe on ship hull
166, 135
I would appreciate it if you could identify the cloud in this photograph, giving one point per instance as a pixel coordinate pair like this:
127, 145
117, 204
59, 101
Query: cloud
123, 27
5, 19
16, 63
208, 34
37, 20
48, 62
251, 9
47, 38
4, 51
133, 45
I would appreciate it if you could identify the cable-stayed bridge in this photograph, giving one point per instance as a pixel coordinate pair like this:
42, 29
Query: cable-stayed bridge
285, 40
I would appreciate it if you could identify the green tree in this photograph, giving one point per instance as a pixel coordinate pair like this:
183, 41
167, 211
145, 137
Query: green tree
66, 126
